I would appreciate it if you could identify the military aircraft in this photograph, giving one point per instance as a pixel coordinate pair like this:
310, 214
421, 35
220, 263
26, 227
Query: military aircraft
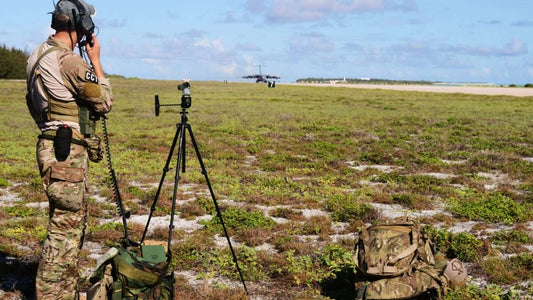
260, 77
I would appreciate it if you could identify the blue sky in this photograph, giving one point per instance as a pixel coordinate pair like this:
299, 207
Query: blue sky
452, 40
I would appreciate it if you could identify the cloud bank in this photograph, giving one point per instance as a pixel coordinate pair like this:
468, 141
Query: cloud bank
292, 11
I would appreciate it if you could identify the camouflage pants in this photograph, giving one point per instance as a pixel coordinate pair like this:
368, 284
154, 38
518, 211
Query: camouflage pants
65, 184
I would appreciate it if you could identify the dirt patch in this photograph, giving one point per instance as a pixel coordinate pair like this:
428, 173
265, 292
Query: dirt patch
477, 90
7, 197
382, 168
439, 175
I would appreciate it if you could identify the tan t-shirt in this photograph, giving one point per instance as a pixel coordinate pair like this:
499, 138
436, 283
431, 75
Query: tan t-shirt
66, 77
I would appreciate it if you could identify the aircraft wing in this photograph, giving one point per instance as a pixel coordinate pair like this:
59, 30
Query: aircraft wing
262, 76
252, 76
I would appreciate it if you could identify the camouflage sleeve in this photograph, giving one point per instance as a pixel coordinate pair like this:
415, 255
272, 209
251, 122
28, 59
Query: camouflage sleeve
81, 81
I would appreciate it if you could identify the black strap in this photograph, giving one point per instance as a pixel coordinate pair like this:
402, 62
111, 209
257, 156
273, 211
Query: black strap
52, 137
361, 292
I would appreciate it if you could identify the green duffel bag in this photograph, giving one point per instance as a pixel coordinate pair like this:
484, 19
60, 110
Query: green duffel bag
133, 276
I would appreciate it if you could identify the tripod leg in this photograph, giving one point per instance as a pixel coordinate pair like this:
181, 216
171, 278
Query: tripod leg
183, 149
181, 160
165, 170
204, 172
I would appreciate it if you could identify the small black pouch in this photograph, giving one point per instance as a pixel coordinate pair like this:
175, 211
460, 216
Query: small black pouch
62, 142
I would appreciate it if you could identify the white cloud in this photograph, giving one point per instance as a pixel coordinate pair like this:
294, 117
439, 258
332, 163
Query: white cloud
524, 23
255, 6
515, 47
248, 47
530, 72
481, 73
214, 47
310, 44
229, 69
315, 10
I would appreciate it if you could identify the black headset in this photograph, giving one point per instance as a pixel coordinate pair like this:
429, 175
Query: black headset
82, 20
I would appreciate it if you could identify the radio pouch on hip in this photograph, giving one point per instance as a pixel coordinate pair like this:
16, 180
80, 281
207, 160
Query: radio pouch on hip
62, 142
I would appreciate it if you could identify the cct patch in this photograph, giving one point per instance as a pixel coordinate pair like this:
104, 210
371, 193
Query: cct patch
89, 76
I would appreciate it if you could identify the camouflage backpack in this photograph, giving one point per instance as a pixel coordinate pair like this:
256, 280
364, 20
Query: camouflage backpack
124, 274
394, 260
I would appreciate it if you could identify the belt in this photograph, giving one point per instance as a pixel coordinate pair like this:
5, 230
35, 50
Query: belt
51, 135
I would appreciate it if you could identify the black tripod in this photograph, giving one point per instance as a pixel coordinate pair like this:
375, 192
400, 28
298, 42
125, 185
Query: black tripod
181, 131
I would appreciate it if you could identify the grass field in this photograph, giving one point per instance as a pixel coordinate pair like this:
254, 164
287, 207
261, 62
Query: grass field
297, 171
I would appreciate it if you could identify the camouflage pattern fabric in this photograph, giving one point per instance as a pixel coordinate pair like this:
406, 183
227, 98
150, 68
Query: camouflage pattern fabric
61, 81
65, 184
407, 286
394, 260
134, 276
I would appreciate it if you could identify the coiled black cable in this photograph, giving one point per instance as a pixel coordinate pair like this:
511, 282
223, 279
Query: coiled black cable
116, 191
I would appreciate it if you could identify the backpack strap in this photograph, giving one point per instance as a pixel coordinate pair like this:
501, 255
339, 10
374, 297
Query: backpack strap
403, 254
101, 264
45, 53
57, 109
38, 117
130, 271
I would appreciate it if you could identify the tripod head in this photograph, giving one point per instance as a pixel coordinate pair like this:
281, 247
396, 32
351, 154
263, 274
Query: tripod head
186, 100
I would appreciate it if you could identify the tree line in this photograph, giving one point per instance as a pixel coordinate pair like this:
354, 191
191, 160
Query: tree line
12, 63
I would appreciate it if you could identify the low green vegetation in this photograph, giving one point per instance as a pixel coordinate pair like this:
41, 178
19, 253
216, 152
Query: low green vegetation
463, 245
299, 170
235, 218
493, 208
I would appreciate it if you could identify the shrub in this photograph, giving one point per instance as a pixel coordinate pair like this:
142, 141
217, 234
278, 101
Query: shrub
237, 218
509, 270
4, 183
466, 247
489, 292
319, 225
410, 200
287, 213
322, 265
497, 208
440, 238
300, 269
335, 258
518, 236
22, 211
221, 262
345, 208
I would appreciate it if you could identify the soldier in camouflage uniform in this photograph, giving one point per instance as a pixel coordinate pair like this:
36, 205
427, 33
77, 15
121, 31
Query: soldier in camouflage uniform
62, 90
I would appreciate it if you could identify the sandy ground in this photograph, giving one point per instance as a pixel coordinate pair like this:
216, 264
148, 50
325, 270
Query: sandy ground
479, 90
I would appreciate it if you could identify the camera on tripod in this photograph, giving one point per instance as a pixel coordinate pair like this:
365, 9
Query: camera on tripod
185, 89
186, 100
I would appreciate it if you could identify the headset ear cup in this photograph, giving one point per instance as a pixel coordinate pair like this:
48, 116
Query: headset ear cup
84, 20
60, 21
